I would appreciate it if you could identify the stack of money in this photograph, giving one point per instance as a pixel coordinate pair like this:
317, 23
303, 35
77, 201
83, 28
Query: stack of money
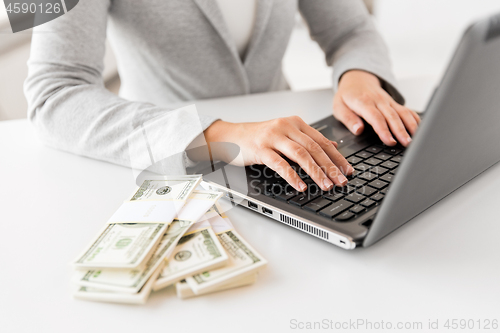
167, 234
198, 269
123, 262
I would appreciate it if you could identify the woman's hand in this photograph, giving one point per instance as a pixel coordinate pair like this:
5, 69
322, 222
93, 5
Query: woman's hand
266, 143
360, 95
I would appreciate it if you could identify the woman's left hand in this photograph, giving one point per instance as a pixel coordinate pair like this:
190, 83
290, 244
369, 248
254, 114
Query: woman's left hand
360, 95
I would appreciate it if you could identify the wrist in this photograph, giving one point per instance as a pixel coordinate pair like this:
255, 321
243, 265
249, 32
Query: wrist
357, 75
218, 131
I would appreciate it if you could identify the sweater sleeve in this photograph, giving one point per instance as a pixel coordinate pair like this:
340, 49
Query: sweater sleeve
347, 35
72, 111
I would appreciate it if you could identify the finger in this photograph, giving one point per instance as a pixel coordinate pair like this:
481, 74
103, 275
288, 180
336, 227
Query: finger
407, 117
376, 119
335, 144
416, 116
320, 156
273, 160
343, 114
395, 123
301, 156
334, 155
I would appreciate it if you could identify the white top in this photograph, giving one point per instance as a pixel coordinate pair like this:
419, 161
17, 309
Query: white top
240, 18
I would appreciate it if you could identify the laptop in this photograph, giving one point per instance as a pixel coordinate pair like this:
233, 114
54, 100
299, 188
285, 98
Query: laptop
457, 140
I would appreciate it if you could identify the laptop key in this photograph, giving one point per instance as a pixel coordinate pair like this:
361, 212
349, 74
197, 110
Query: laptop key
353, 175
332, 196
345, 189
355, 197
368, 176
389, 165
392, 151
364, 154
354, 160
317, 205
357, 182
384, 191
335, 209
373, 161
266, 189
287, 194
345, 216
357, 209
303, 199
383, 156
374, 149
368, 203
387, 177
378, 184
377, 197
362, 167
379, 171
397, 159
366, 190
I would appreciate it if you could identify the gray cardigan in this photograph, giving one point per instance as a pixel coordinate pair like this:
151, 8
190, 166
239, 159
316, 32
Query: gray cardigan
170, 52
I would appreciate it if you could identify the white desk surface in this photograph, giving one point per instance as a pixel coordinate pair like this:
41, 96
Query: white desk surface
443, 265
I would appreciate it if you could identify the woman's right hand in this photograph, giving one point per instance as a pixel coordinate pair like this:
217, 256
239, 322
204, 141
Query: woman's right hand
267, 142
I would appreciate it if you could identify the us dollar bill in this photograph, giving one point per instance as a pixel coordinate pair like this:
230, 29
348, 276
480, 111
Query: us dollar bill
127, 245
102, 295
132, 280
184, 291
122, 245
243, 261
168, 188
195, 253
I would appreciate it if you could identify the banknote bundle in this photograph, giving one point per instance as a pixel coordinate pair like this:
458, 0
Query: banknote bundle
123, 262
208, 273
166, 234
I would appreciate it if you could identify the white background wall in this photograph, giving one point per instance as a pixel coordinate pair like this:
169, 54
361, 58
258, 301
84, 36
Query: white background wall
421, 35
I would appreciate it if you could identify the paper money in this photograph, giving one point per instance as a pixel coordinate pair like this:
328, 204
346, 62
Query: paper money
184, 291
131, 280
127, 245
196, 252
243, 261
101, 295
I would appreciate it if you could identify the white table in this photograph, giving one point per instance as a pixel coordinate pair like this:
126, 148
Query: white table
443, 265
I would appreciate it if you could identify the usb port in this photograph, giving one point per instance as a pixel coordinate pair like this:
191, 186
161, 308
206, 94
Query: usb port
267, 211
253, 205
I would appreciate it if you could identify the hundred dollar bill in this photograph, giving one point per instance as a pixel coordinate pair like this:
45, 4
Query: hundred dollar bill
102, 295
196, 252
131, 280
135, 229
243, 261
184, 291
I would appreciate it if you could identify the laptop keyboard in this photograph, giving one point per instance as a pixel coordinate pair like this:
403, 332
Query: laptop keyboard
375, 166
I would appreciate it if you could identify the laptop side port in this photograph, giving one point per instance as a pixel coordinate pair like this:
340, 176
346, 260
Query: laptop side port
267, 211
253, 205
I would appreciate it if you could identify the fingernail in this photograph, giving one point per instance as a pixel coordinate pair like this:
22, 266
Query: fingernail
393, 141
409, 140
350, 169
356, 128
342, 179
327, 183
302, 186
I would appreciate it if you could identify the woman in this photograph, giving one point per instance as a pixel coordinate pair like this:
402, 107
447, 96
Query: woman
174, 51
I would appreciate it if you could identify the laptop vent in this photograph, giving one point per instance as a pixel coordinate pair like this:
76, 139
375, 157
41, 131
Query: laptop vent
304, 226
